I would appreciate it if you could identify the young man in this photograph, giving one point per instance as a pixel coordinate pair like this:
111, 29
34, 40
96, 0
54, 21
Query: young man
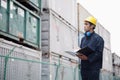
91, 64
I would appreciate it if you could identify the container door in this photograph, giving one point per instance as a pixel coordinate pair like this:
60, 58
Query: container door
17, 20
31, 28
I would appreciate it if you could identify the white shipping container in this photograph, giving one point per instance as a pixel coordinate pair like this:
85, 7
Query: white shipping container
20, 65
67, 9
107, 60
62, 36
62, 68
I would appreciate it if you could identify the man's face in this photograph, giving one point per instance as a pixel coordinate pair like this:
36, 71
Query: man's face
87, 26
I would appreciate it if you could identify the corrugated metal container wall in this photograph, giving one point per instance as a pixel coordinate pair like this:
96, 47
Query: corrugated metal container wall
66, 20
61, 68
62, 36
105, 35
83, 14
20, 55
66, 69
107, 60
17, 20
57, 37
3, 15
65, 8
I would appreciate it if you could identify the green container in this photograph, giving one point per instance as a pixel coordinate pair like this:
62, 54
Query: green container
32, 29
3, 15
17, 20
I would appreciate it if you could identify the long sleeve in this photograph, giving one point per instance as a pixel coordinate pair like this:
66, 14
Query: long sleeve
98, 47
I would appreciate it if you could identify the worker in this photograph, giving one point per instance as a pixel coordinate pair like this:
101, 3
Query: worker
91, 64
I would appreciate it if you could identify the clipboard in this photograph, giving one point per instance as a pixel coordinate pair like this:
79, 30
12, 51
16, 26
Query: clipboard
85, 51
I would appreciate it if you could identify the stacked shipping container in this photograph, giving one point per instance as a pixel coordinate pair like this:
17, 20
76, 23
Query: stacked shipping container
16, 62
19, 27
59, 34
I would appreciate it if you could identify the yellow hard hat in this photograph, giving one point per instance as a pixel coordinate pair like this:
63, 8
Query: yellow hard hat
91, 19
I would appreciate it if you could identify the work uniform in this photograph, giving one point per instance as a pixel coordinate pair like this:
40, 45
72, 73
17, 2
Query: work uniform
90, 69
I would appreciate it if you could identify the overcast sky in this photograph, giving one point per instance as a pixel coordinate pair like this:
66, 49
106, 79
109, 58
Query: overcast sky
107, 13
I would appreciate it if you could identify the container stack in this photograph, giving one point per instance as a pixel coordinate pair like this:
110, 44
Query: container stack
20, 35
36, 36
59, 34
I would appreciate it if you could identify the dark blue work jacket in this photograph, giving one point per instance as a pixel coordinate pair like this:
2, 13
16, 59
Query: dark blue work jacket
96, 43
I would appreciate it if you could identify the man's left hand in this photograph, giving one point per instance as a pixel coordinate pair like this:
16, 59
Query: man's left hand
83, 57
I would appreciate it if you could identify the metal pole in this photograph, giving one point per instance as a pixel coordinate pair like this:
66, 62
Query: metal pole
56, 76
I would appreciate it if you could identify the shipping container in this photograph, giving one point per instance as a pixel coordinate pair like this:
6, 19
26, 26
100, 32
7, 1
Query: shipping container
68, 6
107, 60
3, 15
21, 23
18, 62
61, 68
58, 37
17, 20
62, 36
56, 33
